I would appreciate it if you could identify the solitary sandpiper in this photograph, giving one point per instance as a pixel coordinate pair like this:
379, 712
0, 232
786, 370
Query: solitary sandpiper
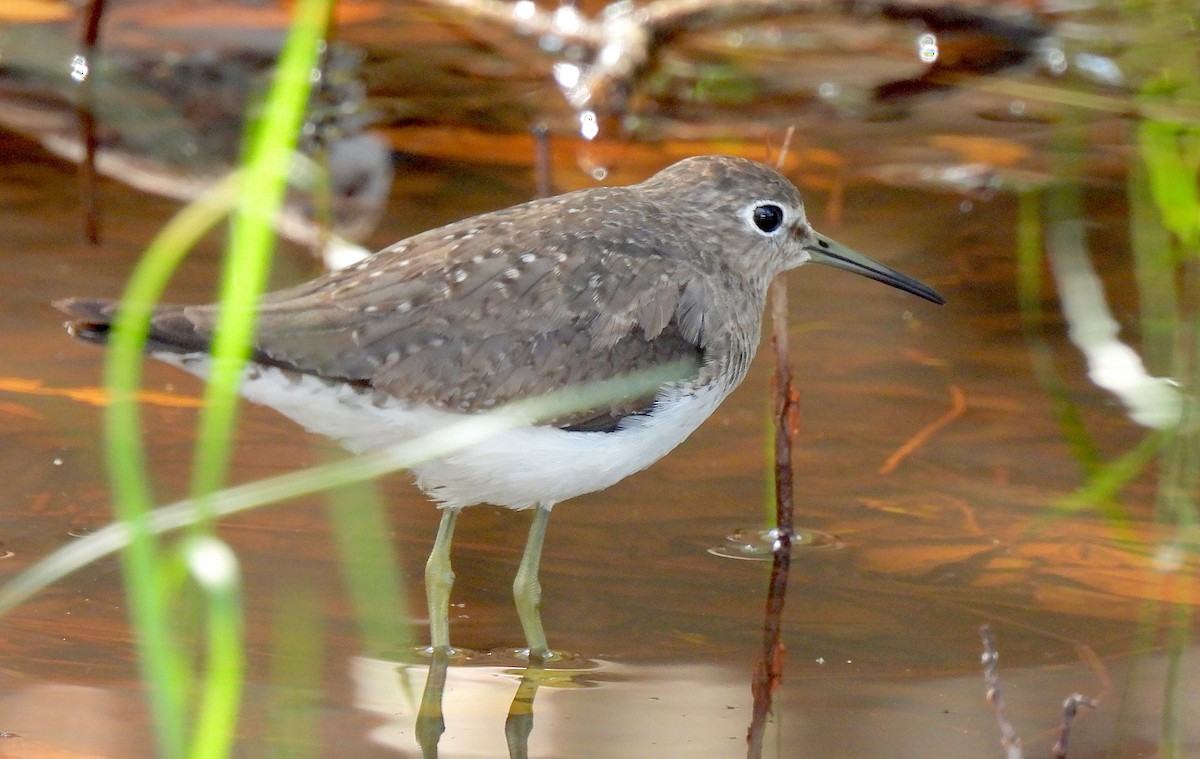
513, 304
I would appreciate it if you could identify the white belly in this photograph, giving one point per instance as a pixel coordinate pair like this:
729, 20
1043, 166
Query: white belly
519, 468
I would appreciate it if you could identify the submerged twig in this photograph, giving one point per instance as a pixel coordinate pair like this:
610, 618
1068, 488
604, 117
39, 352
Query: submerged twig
991, 677
958, 406
1069, 710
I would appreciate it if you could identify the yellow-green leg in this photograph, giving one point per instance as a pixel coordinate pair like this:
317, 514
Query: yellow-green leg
439, 580
527, 590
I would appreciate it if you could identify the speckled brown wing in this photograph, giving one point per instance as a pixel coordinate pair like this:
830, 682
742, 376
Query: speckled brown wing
488, 311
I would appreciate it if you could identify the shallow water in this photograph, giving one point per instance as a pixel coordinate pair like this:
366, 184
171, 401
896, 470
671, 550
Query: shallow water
881, 633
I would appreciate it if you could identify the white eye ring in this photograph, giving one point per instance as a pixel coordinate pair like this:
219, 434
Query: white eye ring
766, 217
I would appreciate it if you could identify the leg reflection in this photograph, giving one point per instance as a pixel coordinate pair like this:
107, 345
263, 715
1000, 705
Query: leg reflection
519, 724
430, 722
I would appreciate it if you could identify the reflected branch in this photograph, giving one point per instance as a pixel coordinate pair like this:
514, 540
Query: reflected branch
769, 672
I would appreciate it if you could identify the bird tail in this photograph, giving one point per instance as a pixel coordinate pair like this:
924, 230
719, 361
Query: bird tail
170, 330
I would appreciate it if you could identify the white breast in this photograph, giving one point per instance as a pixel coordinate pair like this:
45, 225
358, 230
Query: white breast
519, 468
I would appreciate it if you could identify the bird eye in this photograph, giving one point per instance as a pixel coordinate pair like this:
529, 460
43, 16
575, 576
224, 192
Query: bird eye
767, 217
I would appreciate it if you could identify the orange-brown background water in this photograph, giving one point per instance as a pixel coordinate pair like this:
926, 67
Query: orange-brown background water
881, 634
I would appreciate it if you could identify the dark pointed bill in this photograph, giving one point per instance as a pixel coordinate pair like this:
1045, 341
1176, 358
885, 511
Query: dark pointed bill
832, 253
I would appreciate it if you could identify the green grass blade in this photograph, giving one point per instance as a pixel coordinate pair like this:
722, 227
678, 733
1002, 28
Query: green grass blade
161, 665
270, 147
215, 569
369, 566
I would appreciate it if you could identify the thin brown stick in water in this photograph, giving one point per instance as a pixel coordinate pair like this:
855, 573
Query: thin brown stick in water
769, 671
991, 677
958, 406
89, 36
1070, 709
785, 393
541, 161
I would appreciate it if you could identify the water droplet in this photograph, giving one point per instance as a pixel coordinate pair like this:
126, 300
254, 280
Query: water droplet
829, 90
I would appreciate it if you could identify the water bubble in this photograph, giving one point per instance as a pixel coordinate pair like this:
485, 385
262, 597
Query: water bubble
589, 125
79, 68
927, 47
1056, 60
